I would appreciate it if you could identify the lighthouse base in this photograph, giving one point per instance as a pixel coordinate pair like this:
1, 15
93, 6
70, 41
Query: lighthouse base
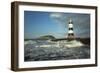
70, 38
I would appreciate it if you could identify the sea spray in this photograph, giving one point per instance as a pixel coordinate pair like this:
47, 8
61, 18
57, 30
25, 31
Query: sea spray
59, 44
74, 43
55, 50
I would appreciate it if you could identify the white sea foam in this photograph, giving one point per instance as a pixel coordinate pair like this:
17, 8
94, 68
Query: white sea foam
39, 50
68, 44
74, 43
29, 42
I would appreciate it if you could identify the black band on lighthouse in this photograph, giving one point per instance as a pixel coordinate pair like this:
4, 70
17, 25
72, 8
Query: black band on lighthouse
70, 28
70, 22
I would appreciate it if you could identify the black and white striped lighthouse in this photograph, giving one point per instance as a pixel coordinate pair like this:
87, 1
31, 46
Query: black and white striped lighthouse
70, 30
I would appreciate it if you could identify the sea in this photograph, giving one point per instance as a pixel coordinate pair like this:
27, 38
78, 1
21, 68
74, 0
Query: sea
43, 50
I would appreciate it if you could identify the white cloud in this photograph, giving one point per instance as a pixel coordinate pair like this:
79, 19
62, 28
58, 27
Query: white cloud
56, 15
59, 18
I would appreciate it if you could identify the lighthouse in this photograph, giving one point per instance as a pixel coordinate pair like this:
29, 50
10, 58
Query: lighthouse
70, 30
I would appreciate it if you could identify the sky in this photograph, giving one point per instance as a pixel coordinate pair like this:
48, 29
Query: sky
38, 24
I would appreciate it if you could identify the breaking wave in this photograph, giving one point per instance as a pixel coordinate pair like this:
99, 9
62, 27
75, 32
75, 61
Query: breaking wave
55, 50
29, 42
47, 44
74, 43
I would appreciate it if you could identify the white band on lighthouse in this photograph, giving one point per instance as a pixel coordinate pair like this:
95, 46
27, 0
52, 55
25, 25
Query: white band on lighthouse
70, 25
70, 31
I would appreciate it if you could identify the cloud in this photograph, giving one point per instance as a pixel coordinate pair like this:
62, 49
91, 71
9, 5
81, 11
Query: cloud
56, 15
59, 18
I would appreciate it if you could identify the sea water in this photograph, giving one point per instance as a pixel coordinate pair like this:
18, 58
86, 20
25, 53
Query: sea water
60, 50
